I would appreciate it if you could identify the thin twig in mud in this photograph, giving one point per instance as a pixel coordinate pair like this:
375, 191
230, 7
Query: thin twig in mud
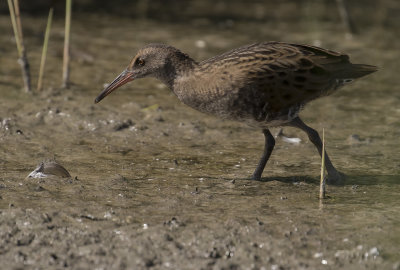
17, 27
65, 82
346, 18
322, 181
44, 51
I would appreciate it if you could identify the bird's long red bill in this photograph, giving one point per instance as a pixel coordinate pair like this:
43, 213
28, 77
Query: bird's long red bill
122, 79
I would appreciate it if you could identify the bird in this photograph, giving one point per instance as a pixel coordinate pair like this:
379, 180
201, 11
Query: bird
264, 85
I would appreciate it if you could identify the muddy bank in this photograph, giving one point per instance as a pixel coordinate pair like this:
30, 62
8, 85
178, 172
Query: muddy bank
32, 238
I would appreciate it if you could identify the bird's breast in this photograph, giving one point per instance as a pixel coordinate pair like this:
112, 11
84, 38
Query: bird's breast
204, 95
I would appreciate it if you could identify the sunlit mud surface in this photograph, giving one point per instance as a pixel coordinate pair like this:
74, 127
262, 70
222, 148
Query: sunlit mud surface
158, 185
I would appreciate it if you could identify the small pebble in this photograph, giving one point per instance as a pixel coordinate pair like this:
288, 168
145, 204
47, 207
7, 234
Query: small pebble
200, 44
356, 139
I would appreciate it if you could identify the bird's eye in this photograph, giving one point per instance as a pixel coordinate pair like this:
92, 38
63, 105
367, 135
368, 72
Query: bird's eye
140, 62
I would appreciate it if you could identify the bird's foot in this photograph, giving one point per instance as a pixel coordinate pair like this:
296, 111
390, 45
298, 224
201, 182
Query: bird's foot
256, 177
335, 178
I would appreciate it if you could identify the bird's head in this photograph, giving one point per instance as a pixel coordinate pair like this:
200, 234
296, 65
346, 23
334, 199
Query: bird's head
153, 60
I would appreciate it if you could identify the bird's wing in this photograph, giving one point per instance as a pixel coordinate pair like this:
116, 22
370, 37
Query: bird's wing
282, 74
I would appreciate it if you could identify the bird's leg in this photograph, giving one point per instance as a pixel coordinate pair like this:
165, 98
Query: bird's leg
268, 147
334, 176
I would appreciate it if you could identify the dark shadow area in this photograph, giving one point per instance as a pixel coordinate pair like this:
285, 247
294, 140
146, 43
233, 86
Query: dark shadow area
226, 11
370, 180
291, 179
283, 179
349, 180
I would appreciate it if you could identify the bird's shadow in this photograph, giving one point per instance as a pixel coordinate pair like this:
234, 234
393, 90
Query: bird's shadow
289, 179
348, 179
283, 179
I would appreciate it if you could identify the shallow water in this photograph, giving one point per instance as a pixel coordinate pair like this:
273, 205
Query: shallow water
145, 166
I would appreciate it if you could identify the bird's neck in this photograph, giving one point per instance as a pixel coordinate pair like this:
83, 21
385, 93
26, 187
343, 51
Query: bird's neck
177, 65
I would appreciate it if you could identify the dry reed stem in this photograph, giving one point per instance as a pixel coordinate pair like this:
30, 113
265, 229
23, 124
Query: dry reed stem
44, 51
18, 19
65, 78
322, 180
14, 25
347, 21
17, 27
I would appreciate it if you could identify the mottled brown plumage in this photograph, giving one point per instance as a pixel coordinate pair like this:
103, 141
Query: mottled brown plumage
263, 84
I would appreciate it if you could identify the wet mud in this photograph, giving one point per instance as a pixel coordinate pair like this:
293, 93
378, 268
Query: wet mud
157, 185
